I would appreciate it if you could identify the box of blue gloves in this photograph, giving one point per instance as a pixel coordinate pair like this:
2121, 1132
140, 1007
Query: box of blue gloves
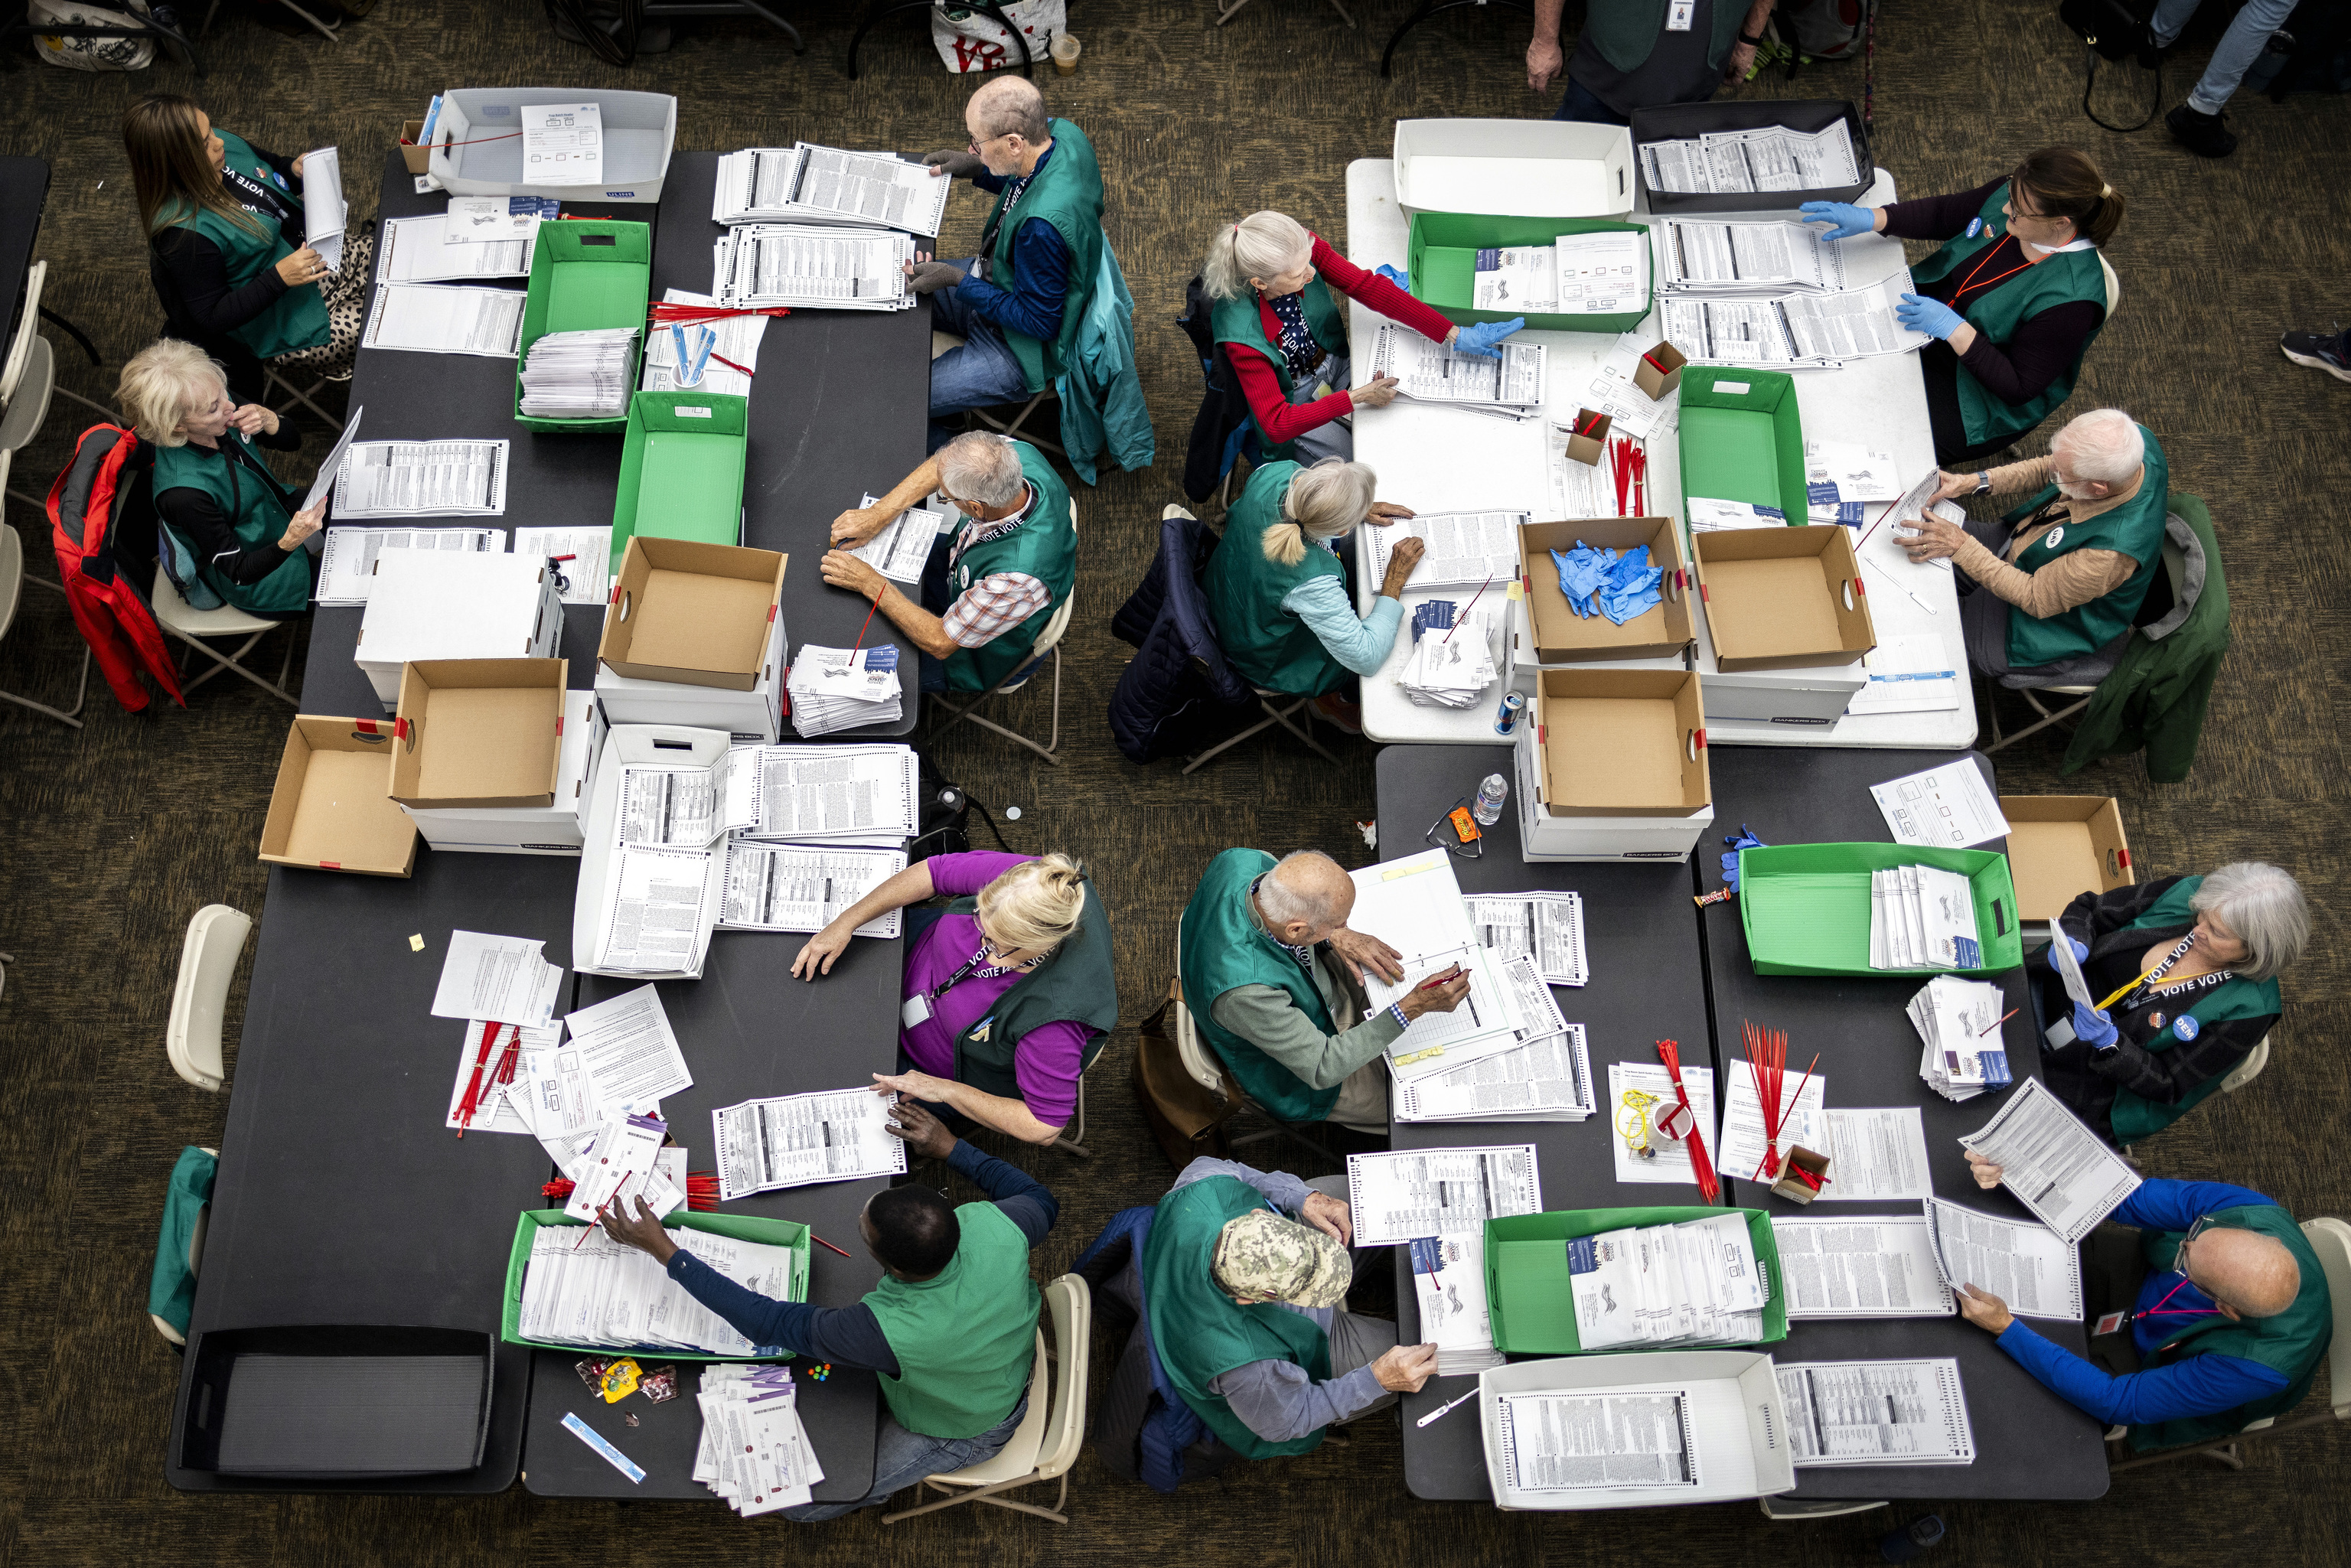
1604, 589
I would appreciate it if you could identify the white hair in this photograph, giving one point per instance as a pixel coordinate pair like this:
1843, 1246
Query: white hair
2264, 906
1322, 503
1262, 245
2104, 445
981, 469
166, 384
1282, 902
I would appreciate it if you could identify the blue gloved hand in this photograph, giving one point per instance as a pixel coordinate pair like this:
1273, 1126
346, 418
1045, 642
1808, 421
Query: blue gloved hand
1848, 219
1395, 275
2092, 1026
1481, 337
1744, 839
2081, 951
1923, 315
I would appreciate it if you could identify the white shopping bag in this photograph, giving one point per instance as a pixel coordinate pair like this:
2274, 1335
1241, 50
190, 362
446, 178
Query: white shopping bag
971, 41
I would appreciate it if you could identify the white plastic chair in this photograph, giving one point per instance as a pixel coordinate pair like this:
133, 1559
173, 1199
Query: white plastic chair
207, 964
1049, 643
28, 378
176, 615
2245, 1072
1047, 1442
173, 1337
13, 579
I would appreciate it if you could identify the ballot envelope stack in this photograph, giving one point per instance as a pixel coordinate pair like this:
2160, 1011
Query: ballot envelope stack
1449, 1280
580, 375
1922, 917
843, 688
1960, 1023
1667, 1286
582, 1288
1452, 669
755, 1454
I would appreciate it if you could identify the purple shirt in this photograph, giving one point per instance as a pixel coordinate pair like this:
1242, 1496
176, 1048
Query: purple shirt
1045, 1060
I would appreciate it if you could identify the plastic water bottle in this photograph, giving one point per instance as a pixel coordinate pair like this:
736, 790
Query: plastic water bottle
1920, 1534
1491, 796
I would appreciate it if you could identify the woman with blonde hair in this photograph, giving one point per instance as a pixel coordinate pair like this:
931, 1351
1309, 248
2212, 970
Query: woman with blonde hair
213, 493
1277, 590
1007, 994
1270, 279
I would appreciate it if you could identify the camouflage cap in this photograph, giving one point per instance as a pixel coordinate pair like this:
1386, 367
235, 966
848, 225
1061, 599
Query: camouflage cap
1262, 1255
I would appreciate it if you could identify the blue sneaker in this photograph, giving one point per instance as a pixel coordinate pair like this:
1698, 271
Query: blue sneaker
2324, 350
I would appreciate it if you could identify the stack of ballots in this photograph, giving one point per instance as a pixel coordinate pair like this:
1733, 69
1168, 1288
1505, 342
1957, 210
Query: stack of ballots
1667, 1286
580, 375
583, 1289
755, 1453
828, 267
843, 688
1619, 584
1453, 670
1921, 918
1960, 1023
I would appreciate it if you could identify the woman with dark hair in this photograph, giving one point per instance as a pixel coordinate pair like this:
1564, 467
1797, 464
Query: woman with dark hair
225, 220
2015, 296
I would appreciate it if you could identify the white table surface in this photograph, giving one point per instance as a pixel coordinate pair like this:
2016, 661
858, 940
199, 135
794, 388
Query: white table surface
1445, 460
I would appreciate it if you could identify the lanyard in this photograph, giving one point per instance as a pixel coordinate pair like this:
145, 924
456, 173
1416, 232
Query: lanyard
2141, 995
1011, 200
1970, 281
935, 992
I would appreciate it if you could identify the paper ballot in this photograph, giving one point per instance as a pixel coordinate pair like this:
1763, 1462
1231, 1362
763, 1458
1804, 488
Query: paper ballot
1876, 1154
814, 266
2064, 1173
1771, 158
419, 250
1602, 273
1871, 1266
1465, 549
1565, 1442
1449, 1283
1431, 374
1455, 670
579, 375
628, 1050
1400, 1197
1948, 807
755, 1455
1666, 1286
659, 906
1545, 926
794, 1140
623, 1166
2036, 1271
435, 318
833, 689
1486, 1023
582, 1288
324, 212
562, 143
798, 793
347, 563
1744, 1144
501, 977
1959, 1023
1631, 411
1696, 253
422, 479
324, 482
1548, 1079
1668, 1160
796, 887
494, 220
582, 558
1843, 1413
760, 184
899, 550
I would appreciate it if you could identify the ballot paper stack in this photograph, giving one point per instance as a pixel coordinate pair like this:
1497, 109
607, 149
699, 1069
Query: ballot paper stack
580, 375
1704, 256
1576, 274
1960, 1023
769, 185
1453, 670
821, 266
1667, 1286
843, 688
1839, 475
863, 794
1772, 157
1453, 1316
755, 1453
582, 1288
1922, 917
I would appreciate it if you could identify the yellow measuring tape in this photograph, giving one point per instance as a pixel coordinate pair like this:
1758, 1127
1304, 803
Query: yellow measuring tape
1633, 1120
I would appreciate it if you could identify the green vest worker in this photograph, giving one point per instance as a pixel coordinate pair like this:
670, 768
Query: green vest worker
2229, 1327
2050, 591
1632, 55
950, 1331
1244, 1305
989, 591
1272, 974
212, 491
2219, 943
2016, 295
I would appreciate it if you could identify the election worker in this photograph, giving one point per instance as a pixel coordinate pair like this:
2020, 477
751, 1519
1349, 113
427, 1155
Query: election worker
1644, 54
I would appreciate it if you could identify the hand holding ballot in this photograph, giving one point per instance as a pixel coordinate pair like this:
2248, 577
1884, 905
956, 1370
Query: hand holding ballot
1407, 555
1932, 539
1984, 1309
1330, 1216
1404, 1369
1377, 392
1987, 1174
302, 525
636, 1225
843, 570
922, 1133
302, 266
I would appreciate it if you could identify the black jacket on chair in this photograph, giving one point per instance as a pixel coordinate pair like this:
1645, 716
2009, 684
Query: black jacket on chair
1177, 690
1221, 432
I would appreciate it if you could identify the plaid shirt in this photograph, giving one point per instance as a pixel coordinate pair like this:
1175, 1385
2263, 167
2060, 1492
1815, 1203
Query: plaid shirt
998, 601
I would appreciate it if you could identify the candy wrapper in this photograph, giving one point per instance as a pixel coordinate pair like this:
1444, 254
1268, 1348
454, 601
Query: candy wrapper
621, 1380
660, 1384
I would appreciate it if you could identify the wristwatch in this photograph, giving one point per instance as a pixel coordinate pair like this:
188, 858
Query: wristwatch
1983, 484
1750, 43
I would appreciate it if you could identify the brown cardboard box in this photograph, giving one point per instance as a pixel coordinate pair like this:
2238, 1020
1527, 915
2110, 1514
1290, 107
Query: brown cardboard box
1560, 636
2062, 846
478, 734
418, 159
1588, 437
1793, 1187
1620, 743
329, 809
1659, 371
1784, 599
693, 614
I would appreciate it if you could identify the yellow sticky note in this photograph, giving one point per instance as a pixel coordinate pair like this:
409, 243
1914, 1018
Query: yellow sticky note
416, 944
1516, 590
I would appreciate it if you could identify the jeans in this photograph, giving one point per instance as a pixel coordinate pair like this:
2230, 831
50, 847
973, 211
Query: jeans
2240, 45
980, 374
1331, 440
1581, 103
901, 1458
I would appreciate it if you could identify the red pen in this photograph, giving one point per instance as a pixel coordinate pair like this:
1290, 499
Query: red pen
1473, 604
1998, 1022
823, 1242
601, 1208
472, 1100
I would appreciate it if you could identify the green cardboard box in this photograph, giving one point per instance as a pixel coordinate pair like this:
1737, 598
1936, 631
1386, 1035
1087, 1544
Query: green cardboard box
585, 275
1743, 439
789, 1233
1805, 907
1441, 258
682, 469
1528, 1297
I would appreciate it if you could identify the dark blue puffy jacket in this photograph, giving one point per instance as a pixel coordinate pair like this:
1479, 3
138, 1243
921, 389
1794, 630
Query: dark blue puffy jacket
1142, 1430
1178, 690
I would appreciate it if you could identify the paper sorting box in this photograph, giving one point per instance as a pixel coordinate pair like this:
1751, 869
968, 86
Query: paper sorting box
1612, 765
481, 733
674, 745
1514, 167
1784, 599
2062, 846
1558, 636
640, 128
1742, 438
694, 635
788, 1233
343, 1402
1528, 1291
1441, 258
1687, 121
1805, 907
1732, 1410
554, 829
682, 469
328, 809
585, 275
444, 604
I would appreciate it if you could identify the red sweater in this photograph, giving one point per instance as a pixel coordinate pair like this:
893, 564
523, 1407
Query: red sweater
1284, 421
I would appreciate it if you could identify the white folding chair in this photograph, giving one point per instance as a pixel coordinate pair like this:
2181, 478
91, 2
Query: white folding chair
1049, 643
176, 615
1048, 1440
943, 341
2175, 569
207, 965
28, 378
2245, 1072
173, 1337
13, 578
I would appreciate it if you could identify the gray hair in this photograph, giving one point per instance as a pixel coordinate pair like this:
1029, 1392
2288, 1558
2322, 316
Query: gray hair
1281, 900
1262, 245
1322, 503
2105, 445
981, 469
2264, 906
1011, 106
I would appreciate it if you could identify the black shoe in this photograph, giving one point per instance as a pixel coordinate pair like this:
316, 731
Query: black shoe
2321, 351
2202, 134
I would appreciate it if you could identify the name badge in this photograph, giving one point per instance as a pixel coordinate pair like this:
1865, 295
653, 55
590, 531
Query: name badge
916, 1010
2107, 1324
1975, 227
2054, 537
1679, 15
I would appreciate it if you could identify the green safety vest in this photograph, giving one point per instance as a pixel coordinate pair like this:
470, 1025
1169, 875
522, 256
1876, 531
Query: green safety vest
1077, 985
1066, 192
1272, 647
1045, 548
2291, 1344
1624, 31
1237, 321
2134, 528
2059, 279
257, 508
2135, 1117
297, 320
967, 1337
1223, 949
1199, 1332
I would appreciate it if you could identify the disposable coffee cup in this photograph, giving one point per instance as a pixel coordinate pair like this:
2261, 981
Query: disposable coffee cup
1065, 52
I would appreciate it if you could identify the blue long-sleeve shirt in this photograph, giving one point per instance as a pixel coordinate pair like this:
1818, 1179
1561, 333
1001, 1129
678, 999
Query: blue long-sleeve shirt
2197, 1385
851, 1336
1362, 646
1041, 268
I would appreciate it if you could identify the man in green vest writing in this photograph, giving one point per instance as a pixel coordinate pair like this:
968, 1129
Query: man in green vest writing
2229, 1327
990, 589
1274, 980
950, 1331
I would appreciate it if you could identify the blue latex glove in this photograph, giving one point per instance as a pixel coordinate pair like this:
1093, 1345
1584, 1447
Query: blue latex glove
1744, 839
2094, 1026
1923, 315
1630, 587
1580, 573
2081, 951
1395, 275
1848, 219
1480, 337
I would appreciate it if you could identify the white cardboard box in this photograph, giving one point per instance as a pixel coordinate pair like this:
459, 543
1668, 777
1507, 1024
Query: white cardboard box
623, 745
1514, 167
1544, 837
442, 605
640, 128
754, 718
1737, 1426
555, 830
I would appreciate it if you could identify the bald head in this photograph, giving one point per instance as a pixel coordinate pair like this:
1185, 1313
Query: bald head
1307, 895
2249, 1272
1008, 105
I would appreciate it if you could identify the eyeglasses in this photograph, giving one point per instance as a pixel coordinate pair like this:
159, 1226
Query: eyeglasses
2180, 1256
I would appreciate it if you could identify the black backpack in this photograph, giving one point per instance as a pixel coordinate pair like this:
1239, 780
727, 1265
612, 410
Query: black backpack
942, 820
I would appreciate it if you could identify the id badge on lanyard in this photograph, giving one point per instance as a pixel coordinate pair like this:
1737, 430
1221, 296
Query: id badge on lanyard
1679, 14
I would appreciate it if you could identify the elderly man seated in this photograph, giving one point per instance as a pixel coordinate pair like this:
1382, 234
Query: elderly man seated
1274, 980
1244, 1276
2229, 1326
2050, 590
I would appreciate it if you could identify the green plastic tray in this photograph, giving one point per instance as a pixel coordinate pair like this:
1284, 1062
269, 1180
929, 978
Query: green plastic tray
1743, 445
1805, 907
789, 1233
681, 469
585, 275
1441, 258
1531, 1304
